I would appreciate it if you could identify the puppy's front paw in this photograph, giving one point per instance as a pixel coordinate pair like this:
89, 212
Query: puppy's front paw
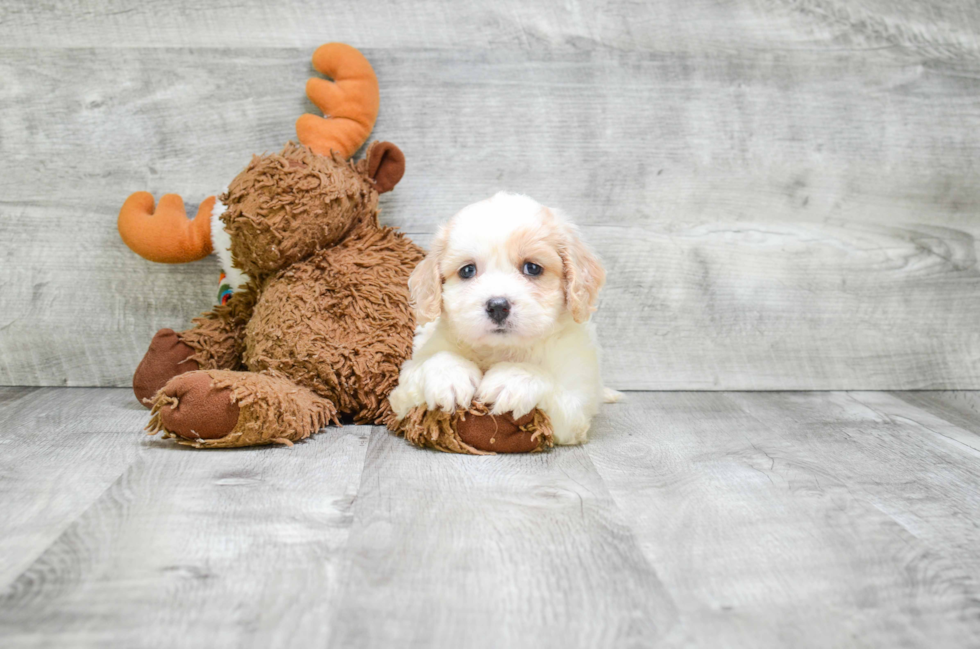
449, 381
443, 381
403, 398
513, 387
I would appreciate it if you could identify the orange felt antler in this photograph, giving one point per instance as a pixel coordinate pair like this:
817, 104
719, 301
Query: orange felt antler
350, 101
165, 234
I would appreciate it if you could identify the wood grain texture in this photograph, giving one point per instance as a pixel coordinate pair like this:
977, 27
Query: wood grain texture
783, 191
959, 408
803, 520
501, 551
60, 450
944, 28
705, 519
229, 549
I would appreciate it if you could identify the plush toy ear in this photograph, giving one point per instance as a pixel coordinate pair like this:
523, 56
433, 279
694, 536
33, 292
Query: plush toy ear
385, 165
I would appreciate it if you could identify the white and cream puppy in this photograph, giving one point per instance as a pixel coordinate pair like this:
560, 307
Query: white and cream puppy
503, 304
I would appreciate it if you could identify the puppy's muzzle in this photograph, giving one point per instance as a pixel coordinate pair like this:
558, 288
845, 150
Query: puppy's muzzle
498, 308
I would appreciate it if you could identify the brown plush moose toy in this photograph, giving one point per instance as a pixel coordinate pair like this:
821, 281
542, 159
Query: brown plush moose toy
320, 321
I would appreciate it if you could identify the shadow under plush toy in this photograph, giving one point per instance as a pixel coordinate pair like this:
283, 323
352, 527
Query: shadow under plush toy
317, 322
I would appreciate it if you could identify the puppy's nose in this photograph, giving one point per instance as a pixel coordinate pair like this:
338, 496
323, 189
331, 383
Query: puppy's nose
498, 308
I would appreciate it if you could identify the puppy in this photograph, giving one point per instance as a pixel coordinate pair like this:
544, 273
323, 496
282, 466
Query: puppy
503, 302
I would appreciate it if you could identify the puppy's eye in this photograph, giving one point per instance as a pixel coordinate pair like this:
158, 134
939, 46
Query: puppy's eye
467, 271
532, 269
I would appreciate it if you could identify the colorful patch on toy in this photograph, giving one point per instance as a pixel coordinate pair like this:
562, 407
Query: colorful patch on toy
224, 289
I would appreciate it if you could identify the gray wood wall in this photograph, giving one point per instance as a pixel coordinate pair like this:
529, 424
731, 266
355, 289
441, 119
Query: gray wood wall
784, 191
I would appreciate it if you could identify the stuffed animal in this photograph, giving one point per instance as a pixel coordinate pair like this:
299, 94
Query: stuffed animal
315, 322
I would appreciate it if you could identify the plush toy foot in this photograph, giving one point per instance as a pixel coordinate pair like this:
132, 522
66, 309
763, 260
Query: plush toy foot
476, 431
191, 408
500, 433
166, 358
224, 409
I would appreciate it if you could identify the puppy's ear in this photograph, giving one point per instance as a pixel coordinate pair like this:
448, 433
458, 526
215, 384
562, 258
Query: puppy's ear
584, 274
425, 283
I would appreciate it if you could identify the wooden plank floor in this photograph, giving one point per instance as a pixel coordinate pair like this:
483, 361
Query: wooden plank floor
718, 519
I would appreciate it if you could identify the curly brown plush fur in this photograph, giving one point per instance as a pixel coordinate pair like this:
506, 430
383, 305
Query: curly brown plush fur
218, 338
339, 322
323, 326
282, 207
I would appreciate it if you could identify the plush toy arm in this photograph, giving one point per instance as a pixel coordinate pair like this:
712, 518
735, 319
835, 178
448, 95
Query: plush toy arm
218, 339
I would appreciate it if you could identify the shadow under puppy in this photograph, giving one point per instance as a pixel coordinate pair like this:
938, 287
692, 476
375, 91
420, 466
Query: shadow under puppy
503, 302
